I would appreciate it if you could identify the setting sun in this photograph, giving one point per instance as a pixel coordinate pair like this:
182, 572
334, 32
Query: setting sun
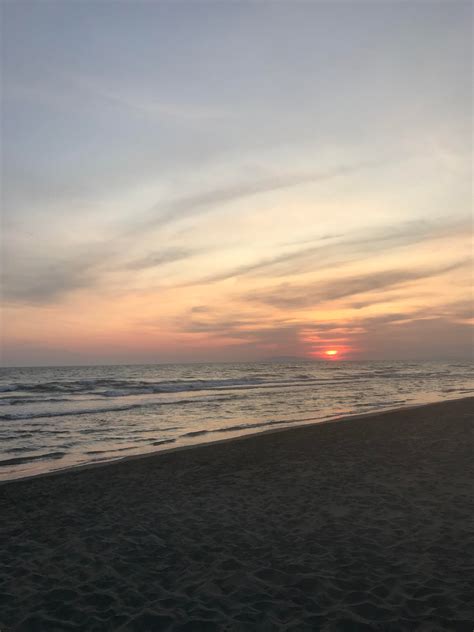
331, 352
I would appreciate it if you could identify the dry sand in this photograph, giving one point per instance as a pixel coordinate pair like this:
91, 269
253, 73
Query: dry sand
355, 525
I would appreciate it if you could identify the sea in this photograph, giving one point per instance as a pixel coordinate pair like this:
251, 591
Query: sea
60, 417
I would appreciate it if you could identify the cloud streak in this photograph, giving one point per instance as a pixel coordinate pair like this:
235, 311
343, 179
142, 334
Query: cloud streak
164, 213
161, 258
40, 280
319, 256
394, 334
289, 297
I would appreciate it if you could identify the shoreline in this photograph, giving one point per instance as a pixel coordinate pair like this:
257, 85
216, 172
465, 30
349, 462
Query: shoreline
308, 422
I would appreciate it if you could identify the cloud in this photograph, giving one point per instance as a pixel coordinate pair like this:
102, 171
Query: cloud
359, 247
311, 240
252, 335
418, 339
164, 213
286, 296
41, 280
401, 334
74, 90
199, 309
397, 336
460, 310
162, 257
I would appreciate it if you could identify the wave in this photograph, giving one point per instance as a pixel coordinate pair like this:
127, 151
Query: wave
18, 401
93, 452
197, 433
131, 447
114, 387
248, 426
17, 450
163, 441
109, 409
391, 402
110, 383
123, 388
65, 413
18, 460
299, 420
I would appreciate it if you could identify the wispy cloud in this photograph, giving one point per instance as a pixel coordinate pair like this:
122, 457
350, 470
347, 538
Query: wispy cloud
41, 279
401, 333
288, 296
45, 282
161, 258
73, 91
352, 248
166, 212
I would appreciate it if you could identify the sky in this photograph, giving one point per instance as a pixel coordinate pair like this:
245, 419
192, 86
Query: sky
231, 181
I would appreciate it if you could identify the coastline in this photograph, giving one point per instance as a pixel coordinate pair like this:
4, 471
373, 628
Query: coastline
303, 423
329, 526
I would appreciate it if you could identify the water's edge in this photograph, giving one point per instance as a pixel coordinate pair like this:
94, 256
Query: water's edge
246, 435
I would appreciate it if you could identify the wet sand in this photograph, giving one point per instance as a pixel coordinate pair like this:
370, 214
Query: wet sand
355, 525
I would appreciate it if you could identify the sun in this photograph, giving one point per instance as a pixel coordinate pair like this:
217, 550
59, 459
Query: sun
331, 352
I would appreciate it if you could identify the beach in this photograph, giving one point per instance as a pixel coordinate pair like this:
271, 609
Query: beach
357, 524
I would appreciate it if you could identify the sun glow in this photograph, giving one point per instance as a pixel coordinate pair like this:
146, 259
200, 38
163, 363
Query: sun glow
331, 352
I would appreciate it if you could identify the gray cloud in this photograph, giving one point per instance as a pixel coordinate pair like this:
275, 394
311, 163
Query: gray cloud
199, 309
362, 246
460, 310
417, 339
280, 335
398, 335
312, 240
162, 257
401, 334
164, 213
41, 280
300, 296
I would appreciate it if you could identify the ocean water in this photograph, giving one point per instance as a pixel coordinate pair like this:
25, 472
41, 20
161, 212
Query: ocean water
52, 418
